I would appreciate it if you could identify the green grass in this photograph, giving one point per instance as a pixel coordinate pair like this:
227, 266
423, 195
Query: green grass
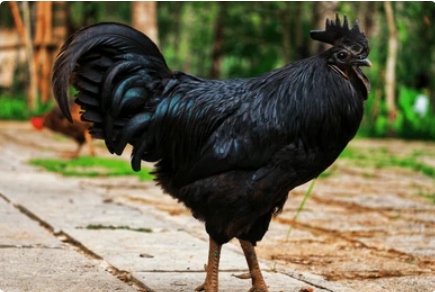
13, 109
111, 227
328, 172
430, 196
16, 108
382, 158
91, 167
301, 206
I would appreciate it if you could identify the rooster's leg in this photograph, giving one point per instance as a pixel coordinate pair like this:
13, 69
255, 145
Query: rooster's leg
76, 153
212, 268
88, 139
258, 284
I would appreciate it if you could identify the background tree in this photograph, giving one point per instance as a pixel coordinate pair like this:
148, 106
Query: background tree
390, 76
43, 37
144, 18
321, 11
216, 55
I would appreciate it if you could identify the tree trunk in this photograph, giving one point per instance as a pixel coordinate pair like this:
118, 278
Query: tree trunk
145, 19
286, 28
366, 15
32, 93
186, 37
299, 46
43, 36
46, 56
321, 11
38, 40
18, 21
178, 12
218, 42
390, 76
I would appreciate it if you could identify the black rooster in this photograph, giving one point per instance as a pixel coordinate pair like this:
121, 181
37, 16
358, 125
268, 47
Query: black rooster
230, 150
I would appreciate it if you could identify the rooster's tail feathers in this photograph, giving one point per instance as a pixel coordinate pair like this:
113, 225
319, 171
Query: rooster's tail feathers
118, 72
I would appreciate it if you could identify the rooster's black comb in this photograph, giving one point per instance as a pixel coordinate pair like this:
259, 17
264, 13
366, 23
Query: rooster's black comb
338, 35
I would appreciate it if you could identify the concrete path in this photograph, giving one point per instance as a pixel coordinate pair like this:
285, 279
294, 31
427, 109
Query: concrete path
64, 234
54, 238
118, 234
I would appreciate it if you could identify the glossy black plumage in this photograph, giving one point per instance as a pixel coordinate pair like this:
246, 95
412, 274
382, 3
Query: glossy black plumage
230, 150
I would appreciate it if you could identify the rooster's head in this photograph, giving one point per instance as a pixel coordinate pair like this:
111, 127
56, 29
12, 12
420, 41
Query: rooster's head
349, 52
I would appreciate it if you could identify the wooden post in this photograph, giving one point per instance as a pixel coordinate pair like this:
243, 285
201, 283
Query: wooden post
38, 40
33, 91
43, 36
45, 57
18, 21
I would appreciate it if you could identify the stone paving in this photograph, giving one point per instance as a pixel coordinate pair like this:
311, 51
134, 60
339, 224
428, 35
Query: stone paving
356, 233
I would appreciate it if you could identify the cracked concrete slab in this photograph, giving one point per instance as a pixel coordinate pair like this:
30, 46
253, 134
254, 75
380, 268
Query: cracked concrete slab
166, 250
17, 230
54, 270
67, 205
34, 260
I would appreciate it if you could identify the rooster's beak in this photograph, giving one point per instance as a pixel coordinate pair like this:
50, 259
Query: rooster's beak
364, 62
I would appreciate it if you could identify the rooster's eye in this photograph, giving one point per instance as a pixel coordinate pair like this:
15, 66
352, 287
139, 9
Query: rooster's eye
342, 55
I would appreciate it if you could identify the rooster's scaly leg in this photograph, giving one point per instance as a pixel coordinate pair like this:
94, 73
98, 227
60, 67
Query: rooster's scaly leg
88, 139
212, 268
75, 154
258, 284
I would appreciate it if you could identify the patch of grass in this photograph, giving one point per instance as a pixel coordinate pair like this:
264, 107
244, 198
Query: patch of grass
382, 158
396, 216
429, 196
91, 167
368, 175
111, 227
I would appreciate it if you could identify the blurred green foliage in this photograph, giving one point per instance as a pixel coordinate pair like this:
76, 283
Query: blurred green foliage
382, 158
15, 108
261, 36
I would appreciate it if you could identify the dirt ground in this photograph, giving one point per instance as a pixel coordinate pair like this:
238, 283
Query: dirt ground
368, 228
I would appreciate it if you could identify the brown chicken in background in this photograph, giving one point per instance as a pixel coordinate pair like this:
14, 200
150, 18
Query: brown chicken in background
55, 121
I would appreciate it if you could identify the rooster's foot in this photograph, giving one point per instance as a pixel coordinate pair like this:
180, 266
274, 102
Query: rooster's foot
200, 288
207, 288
